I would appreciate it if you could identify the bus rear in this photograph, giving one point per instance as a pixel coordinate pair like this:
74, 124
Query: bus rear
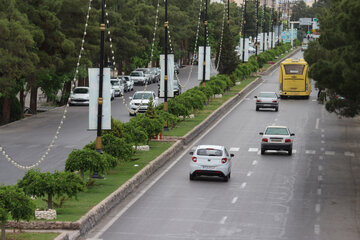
294, 80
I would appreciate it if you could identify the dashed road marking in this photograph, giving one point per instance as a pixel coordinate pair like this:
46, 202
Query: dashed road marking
322, 130
321, 157
332, 153
234, 200
222, 221
249, 173
317, 229
349, 154
254, 162
253, 149
320, 178
317, 208
317, 123
234, 149
322, 141
243, 185
320, 168
310, 151
322, 135
322, 149
319, 191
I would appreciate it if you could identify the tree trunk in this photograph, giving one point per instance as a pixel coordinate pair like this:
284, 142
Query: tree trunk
22, 102
2, 231
188, 52
33, 99
6, 110
120, 67
82, 174
65, 93
50, 202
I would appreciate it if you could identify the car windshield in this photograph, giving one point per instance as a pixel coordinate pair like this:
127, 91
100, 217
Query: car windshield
267, 95
135, 74
115, 83
294, 68
142, 96
81, 90
276, 131
209, 152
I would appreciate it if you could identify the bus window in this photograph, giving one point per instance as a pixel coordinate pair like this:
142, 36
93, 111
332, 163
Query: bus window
294, 69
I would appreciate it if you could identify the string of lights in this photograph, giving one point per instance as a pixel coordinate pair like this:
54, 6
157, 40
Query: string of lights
73, 84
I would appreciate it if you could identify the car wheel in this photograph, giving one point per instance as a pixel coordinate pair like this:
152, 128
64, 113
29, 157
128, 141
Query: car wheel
257, 108
226, 178
290, 152
276, 109
262, 151
132, 114
192, 177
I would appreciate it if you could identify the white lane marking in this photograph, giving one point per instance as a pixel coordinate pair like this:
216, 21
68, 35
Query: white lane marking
243, 185
321, 157
349, 154
234, 149
314, 100
254, 162
317, 123
322, 135
320, 168
332, 153
222, 221
319, 191
275, 119
322, 141
317, 208
259, 152
234, 200
249, 173
253, 149
310, 151
138, 196
322, 149
317, 229
320, 178
294, 151
322, 130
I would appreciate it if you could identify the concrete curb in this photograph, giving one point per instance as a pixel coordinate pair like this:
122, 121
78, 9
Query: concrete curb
89, 220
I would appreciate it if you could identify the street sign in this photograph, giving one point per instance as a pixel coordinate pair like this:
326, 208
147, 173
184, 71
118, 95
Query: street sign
315, 19
305, 21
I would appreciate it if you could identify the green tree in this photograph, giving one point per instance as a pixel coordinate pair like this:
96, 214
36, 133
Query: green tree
14, 203
228, 58
58, 184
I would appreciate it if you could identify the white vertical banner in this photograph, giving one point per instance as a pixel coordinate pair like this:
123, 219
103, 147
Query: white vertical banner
241, 49
94, 95
170, 74
201, 63
246, 55
266, 42
261, 43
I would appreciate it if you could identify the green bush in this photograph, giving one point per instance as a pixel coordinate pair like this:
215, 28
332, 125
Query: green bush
152, 127
176, 108
117, 147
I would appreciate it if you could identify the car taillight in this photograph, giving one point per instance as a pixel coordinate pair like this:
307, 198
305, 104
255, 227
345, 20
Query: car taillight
264, 140
258, 100
287, 140
224, 160
194, 159
274, 101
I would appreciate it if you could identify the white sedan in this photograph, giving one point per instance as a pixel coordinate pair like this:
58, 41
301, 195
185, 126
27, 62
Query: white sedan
277, 138
210, 160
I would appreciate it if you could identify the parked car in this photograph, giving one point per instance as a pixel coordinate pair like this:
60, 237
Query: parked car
304, 46
129, 82
80, 96
156, 72
267, 100
123, 85
140, 99
176, 68
277, 138
139, 77
118, 88
210, 160
177, 88
148, 73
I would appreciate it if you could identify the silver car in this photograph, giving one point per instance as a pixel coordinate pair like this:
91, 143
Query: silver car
267, 100
277, 138
80, 96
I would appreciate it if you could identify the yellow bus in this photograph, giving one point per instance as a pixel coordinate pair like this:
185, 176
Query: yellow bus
294, 78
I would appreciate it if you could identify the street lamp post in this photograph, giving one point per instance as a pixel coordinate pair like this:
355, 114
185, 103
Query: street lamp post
257, 27
279, 25
263, 26
166, 66
205, 40
228, 12
244, 32
272, 23
98, 144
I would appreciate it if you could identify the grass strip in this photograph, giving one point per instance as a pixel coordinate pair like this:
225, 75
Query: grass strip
30, 236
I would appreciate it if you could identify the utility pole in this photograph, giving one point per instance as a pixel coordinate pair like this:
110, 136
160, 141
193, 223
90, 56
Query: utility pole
166, 23
244, 32
279, 25
272, 23
257, 28
288, 14
98, 143
205, 40
263, 26
228, 12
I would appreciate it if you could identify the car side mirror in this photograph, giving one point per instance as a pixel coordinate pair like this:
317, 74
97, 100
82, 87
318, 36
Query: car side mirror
130, 98
231, 155
261, 133
292, 134
191, 153
255, 96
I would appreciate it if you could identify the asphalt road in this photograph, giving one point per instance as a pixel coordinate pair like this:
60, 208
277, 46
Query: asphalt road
311, 195
25, 141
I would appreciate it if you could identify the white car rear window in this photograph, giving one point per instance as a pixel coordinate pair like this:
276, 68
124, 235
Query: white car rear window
209, 152
276, 131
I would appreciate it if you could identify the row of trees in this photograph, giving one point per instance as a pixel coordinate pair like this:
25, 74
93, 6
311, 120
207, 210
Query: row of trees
335, 59
40, 41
